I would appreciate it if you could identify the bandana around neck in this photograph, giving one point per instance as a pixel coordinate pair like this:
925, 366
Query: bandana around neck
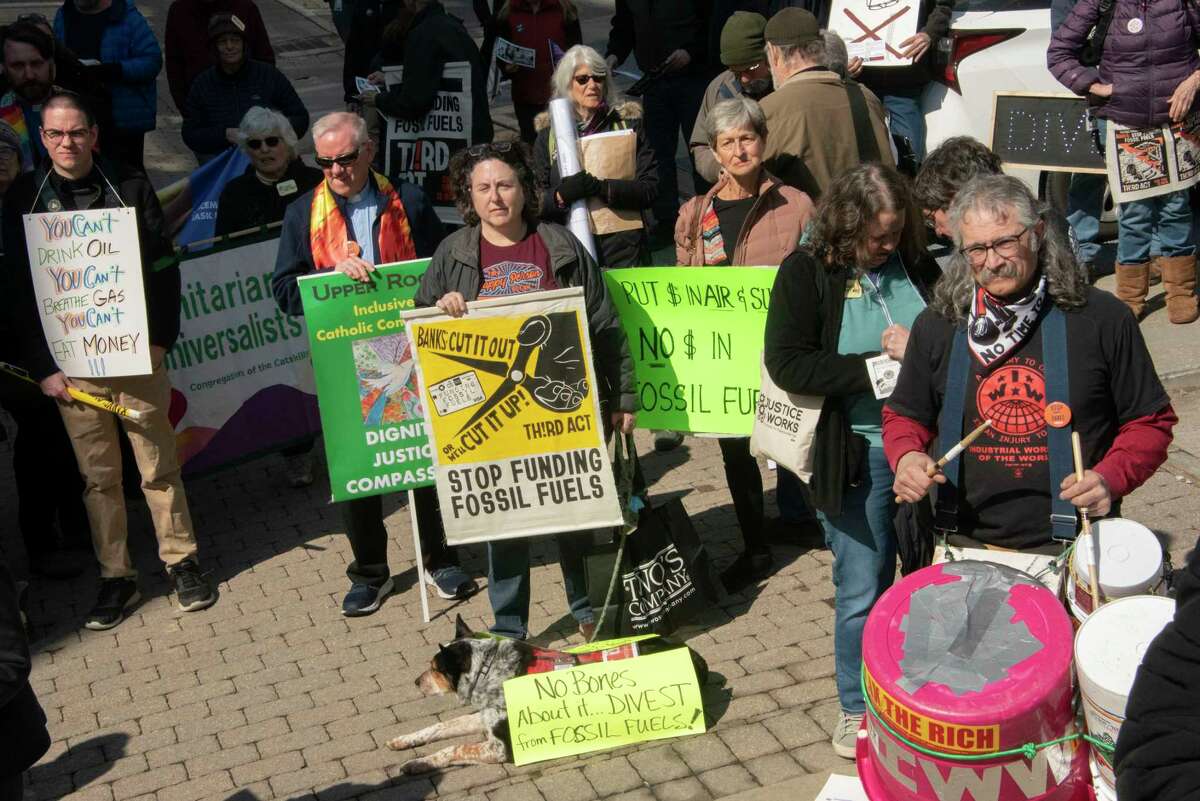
996, 328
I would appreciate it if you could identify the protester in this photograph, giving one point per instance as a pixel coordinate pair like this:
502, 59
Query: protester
597, 111
115, 34
364, 37
746, 73
539, 25
498, 198
1142, 87
342, 13
188, 49
822, 126
748, 218
76, 181
948, 168
349, 222
433, 39
670, 42
22, 719
848, 294
10, 163
1012, 276
29, 69
223, 93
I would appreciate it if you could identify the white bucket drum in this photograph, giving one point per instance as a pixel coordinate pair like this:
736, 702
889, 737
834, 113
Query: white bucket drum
1108, 649
1131, 563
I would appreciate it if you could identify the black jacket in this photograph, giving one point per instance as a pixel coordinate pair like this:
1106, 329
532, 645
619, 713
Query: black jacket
365, 40
455, 268
21, 717
247, 202
218, 101
434, 39
161, 285
294, 258
1158, 750
654, 29
804, 322
623, 248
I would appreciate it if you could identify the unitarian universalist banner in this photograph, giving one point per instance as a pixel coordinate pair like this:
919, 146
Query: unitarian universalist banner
696, 335
514, 418
241, 382
371, 413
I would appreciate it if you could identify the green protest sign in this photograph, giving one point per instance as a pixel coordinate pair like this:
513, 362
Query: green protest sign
696, 335
603, 705
371, 412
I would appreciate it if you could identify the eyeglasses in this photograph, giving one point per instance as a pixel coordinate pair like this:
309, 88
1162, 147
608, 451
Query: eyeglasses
582, 80
55, 135
270, 141
1006, 247
743, 70
345, 160
489, 148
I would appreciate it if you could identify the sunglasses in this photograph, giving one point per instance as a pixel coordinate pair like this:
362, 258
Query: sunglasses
270, 141
489, 148
345, 160
582, 80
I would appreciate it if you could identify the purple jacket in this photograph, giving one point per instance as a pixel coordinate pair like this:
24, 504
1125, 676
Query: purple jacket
1144, 68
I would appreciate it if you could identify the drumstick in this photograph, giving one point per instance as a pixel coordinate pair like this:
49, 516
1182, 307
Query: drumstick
78, 394
1094, 556
951, 454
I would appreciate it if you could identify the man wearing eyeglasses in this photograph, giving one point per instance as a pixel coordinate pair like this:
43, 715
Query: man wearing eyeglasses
1016, 336
75, 181
351, 221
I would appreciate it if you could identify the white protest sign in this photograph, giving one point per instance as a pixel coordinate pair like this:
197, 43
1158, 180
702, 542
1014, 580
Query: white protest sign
874, 29
87, 277
1147, 162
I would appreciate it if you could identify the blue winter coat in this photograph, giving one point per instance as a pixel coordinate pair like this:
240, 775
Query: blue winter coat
1144, 67
127, 41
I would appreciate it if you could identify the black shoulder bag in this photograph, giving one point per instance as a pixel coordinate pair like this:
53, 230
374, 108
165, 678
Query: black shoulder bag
1093, 48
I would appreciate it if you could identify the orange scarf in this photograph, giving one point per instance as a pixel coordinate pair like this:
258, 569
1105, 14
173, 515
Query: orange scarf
330, 241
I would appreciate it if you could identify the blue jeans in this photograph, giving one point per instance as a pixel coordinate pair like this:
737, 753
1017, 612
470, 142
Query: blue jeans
508, 581
907, 119
863, 542
1085, 200
1165, 220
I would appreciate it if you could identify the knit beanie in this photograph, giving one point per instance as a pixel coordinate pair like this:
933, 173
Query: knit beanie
742, 39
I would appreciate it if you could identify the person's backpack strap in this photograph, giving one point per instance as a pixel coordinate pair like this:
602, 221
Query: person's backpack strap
1058, 439
950, 426
1093, 48
864, 133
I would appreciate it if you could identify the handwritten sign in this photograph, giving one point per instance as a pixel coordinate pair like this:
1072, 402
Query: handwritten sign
603, 705
874, 29
695, 334
87, 276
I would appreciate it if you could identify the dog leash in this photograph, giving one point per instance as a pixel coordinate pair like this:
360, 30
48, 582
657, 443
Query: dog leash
487, 668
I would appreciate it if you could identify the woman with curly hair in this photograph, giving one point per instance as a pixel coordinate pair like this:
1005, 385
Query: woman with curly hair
502, 250
847, 295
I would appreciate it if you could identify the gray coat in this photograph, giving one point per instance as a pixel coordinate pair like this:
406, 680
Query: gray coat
455, 268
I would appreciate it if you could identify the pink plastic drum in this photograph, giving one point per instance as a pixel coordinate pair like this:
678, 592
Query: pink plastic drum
969, 658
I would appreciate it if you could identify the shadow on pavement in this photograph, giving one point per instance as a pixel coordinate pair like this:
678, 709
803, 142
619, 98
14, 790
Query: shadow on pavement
84, 763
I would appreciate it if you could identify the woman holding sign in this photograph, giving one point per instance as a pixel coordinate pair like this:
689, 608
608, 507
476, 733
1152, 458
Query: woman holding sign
749, 218
501, 251
840, 310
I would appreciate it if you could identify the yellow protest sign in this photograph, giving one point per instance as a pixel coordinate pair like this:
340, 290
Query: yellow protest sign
514, 418
603, 705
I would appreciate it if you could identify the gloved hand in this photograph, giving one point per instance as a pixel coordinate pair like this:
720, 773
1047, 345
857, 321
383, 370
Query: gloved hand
578, 186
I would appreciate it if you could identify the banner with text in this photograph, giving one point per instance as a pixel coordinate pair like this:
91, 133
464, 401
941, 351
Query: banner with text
695, 334
87, 278
514, 418
371, 412
1147, 162
240, 377
419, 151
603, 705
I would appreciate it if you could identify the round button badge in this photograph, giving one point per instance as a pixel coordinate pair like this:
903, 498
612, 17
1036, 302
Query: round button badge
1057, 414
1135, 25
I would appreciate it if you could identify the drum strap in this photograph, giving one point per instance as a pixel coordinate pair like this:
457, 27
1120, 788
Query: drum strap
950, 427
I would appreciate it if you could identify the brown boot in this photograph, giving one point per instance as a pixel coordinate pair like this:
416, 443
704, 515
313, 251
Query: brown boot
1179, 279
1133, 282
1155, 271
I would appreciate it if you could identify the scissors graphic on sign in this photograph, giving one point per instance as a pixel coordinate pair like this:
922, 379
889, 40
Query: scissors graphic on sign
873, 33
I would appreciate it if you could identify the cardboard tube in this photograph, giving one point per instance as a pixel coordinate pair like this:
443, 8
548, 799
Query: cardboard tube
562, 121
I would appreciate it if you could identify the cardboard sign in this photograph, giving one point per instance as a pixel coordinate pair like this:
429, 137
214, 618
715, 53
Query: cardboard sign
371, 411
1044, 132
1147, 162
874, 29
603, 705
514, 418
87, 278
695, 334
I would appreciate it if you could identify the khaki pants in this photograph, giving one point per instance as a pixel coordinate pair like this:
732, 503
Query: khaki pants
94, 433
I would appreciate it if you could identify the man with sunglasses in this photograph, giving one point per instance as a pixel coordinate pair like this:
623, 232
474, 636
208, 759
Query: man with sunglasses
1015, 335
351, 221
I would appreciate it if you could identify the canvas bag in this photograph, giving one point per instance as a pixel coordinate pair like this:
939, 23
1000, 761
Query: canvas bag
785, 425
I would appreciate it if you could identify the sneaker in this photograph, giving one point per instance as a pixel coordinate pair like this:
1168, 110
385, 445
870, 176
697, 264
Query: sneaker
667, 440
192, 592
845, 736
748, 568
363, 599
117, 596
451, 582
299, 470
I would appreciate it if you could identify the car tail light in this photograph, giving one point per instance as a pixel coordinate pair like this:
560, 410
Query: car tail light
965, 43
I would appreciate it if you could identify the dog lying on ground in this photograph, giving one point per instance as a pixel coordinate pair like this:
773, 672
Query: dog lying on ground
476, 668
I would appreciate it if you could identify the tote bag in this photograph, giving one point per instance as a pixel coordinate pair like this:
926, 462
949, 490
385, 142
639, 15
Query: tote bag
785, 425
